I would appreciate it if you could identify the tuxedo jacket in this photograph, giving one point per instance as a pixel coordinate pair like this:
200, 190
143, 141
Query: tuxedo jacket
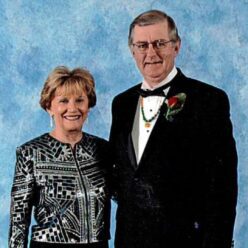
183, 192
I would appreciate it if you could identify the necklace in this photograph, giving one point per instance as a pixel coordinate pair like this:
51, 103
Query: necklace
148, 121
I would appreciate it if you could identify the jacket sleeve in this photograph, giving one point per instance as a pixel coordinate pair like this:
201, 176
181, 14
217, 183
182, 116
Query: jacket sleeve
21, 200
113, 140
221, 189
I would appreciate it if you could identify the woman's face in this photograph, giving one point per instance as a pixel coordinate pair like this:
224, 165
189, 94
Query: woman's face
69, 112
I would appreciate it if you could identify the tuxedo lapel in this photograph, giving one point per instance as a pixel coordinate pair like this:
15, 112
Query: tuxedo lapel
130, 110
162, 125
177, 84
136, 132
131, 121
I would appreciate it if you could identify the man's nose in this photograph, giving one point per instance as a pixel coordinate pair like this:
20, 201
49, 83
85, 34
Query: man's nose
151, 51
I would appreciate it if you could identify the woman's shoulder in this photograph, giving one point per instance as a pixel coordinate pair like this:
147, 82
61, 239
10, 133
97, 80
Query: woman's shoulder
35, 142
93, 138
98, 147
95, 144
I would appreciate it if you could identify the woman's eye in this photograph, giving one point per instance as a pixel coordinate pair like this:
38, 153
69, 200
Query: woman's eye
80, 100
63, 100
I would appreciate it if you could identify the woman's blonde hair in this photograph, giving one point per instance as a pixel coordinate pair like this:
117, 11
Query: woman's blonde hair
73, 82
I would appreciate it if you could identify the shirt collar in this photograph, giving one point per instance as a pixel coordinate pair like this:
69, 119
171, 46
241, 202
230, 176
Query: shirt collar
171, 75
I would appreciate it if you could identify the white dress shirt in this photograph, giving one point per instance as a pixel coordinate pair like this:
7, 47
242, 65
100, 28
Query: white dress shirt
151, 106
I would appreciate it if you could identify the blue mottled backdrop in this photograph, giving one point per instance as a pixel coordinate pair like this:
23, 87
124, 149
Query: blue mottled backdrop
36, 36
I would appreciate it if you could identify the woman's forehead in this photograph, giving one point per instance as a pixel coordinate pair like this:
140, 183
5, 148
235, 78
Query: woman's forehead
69, 89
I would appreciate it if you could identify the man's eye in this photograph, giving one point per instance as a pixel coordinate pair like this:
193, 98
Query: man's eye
161, 44
80, 100
142, 46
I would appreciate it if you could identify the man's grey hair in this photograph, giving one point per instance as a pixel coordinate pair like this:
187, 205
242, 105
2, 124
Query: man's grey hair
153, 17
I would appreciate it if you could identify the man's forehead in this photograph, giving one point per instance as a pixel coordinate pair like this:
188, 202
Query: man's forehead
156, 30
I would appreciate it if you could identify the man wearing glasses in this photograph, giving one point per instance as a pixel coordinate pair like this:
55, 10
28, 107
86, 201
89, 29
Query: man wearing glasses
175, 158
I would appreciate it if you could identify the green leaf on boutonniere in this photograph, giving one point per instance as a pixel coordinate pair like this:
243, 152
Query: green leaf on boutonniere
174, 105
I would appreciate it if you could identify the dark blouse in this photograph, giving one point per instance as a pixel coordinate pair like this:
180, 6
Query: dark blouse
67, 188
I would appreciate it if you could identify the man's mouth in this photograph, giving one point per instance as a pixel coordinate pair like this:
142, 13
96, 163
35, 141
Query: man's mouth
72, 117
153, 63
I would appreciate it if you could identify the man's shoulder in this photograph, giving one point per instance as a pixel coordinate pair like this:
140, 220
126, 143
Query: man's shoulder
203, 88
129, 91
205, 95
127, 94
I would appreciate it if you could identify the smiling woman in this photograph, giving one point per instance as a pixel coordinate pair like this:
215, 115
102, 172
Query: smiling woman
63, 174
67, 96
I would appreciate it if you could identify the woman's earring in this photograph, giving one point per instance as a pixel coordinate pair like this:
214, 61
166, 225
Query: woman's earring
51, 121
86, 118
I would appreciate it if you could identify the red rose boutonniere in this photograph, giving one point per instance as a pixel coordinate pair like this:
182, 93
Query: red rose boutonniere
174, 105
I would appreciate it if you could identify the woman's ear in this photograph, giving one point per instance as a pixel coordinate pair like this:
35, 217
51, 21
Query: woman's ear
51, 118
49, 112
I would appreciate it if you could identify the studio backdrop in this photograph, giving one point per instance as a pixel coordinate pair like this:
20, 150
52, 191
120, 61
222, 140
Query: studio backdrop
36, 36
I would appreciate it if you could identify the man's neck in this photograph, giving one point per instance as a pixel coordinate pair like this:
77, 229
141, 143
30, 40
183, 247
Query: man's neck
146, 85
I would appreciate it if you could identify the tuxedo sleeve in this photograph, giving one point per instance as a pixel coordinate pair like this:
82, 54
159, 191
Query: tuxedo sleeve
21, 200
113, 146
113, 129
221, 189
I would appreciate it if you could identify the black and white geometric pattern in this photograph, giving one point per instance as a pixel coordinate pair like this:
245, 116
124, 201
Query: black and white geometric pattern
67, 188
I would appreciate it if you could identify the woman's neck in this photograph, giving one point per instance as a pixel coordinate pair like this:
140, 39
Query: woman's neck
72, 137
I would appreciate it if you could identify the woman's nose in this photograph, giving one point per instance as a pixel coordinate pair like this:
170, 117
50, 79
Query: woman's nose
72, 106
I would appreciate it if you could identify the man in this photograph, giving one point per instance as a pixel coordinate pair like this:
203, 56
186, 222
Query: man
175, 158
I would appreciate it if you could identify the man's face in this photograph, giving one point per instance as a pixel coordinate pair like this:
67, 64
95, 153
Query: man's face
154, 64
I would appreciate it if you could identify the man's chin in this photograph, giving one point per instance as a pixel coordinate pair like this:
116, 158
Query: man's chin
154, 78
154, 72
153, 67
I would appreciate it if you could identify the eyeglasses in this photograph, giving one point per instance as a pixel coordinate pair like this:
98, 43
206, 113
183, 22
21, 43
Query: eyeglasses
158, 45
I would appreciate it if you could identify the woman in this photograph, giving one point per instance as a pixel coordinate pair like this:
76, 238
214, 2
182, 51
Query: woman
63, 174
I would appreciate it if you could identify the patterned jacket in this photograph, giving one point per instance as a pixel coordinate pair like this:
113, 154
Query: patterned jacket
67, 188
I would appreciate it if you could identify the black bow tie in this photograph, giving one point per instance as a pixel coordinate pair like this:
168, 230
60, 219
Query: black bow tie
157, 92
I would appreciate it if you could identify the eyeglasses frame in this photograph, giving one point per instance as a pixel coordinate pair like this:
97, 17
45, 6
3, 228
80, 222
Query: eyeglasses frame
154, 45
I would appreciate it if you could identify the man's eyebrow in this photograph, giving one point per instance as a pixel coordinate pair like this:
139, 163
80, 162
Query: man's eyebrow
141, 41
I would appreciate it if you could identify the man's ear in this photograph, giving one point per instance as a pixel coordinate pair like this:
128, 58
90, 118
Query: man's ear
177, 47
131, 50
